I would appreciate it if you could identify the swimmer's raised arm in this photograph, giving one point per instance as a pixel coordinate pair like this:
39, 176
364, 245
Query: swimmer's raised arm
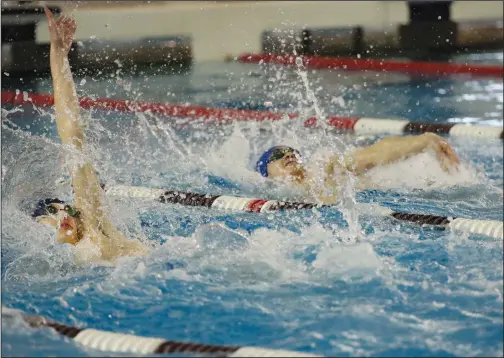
92, 221
85, 182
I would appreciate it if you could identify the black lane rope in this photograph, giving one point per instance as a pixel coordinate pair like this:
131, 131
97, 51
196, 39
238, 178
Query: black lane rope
251, 204
254, 205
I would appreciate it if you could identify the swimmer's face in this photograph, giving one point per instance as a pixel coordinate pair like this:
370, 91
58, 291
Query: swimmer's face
289, 165
65, 219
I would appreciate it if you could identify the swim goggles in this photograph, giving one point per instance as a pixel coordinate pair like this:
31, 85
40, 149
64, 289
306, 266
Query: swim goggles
70, 210
280, 152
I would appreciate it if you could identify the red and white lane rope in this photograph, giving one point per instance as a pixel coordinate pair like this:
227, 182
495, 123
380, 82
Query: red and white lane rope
127, 343
358, 125
368, 64
489, 228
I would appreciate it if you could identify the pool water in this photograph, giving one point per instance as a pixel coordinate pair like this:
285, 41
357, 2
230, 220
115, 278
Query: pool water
339, 281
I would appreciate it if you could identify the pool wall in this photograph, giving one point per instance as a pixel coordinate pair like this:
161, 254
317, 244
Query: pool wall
226, 29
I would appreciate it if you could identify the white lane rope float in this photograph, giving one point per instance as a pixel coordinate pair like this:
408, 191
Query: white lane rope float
491, 228
127, 343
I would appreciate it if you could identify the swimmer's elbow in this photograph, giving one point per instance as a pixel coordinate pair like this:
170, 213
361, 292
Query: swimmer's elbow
70, 131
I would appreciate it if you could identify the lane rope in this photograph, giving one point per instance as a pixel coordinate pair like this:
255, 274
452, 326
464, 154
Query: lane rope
491, 228
380, 65
127, 343
357, 125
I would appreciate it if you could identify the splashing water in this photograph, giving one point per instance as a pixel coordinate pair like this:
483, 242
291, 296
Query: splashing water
325, 281
348, 201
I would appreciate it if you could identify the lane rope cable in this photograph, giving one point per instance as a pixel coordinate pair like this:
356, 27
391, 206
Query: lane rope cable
357, 125
491, 228
127, 343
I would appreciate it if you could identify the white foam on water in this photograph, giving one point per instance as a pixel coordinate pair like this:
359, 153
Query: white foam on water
232, 259
32, 253
231, 160
267, 257
341, 259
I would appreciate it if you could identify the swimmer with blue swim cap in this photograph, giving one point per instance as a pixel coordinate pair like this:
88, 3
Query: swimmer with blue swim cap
84, 223
282, 162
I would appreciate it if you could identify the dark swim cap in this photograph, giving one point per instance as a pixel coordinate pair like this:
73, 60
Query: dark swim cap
272, 154
41, 208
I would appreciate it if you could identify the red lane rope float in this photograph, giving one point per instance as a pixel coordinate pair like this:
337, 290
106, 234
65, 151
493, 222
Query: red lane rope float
358, 125
173, 110
356, 64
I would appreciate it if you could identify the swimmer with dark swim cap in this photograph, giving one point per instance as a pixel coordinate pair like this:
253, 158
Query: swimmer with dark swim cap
63, 217
84, 223
282, 162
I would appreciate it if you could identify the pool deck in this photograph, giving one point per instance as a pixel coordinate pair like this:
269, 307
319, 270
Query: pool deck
223, 29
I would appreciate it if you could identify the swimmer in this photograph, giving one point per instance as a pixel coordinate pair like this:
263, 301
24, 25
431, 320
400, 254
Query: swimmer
83, 224
285, 163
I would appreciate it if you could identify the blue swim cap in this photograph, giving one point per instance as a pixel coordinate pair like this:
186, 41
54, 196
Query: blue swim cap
268, 157
41, 208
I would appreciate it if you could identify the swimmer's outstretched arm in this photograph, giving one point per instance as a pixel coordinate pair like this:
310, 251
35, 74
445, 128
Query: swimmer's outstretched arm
85, 183
392, 149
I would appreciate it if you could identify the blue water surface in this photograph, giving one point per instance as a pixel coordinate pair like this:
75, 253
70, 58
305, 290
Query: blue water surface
313, 281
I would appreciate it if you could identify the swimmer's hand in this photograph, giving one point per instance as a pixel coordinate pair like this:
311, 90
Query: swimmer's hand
444, 151
61, 31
